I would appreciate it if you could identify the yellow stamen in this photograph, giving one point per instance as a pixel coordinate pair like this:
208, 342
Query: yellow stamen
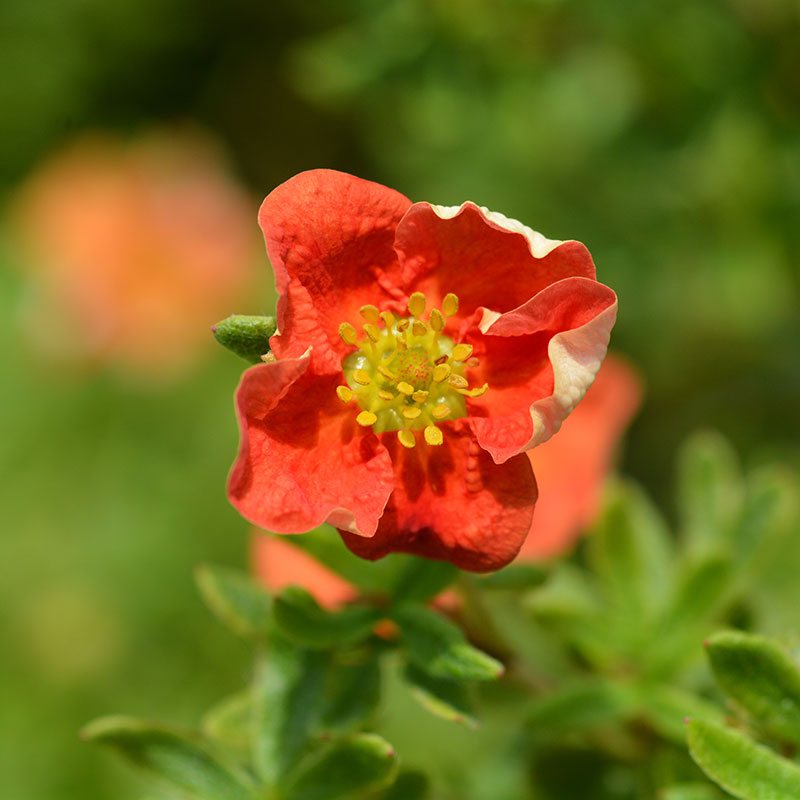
441, 411
386, 372
437, 321
268, 358
420, 396
345, 393
416, 304
374, 333
370, 313
406, 438
412, 412
388, 318
362, 376
450, 305
400, 343
405, 388
480, 390
419, 328
403, 325
366, 418
458, 382
441, 372
348, 333
384, 395
433, 435
461, 352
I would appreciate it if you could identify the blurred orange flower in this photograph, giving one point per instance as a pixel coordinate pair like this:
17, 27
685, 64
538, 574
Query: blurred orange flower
134, 249
570, 469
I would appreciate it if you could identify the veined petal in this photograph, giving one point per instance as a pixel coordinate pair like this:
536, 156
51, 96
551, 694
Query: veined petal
571, 468
487, 259
539, 360
332, 234
453, 503
302, 460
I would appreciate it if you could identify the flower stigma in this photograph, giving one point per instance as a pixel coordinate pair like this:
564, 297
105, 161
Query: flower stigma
406, 374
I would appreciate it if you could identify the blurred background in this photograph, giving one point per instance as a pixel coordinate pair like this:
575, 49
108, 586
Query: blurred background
138, 139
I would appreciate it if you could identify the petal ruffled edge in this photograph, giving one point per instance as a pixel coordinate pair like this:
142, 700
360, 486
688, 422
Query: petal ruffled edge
575, 356
303, 460
331, 234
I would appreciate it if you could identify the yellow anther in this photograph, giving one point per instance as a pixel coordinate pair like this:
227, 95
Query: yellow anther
477, 392
441, 411
420, 396
386, 372
406, 438
345, 393
406, 388
374, 333
348, 333
416, 304
437, 321
384, 395
370, 313
411, 412
388, 318
362, 376
450, 305
366, 418
433, 435
458, 381
403, 324
441, 372
419, 328
268, 358
461, 352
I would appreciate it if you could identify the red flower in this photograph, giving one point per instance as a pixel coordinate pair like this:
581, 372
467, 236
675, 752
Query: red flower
479, 338
134, 249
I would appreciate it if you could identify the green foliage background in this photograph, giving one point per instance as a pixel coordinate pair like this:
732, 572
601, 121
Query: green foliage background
664, 134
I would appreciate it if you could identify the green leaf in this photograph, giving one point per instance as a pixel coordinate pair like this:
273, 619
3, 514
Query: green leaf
301, 619
630, 552
443, 697
408, 786
353, 695
740, 766
236, 599
230, 721
354, 764
761, 678
179, 758
246, 336
579, 706
709, 491
421, 578
288, 691
439, 647
517, 577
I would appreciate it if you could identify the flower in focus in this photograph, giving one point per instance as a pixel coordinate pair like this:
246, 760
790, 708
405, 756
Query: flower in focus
134, 249
571, 470
421, 352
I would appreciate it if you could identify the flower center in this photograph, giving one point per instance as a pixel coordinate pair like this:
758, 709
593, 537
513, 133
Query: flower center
406, 374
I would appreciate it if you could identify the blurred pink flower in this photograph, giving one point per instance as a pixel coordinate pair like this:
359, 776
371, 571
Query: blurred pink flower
135, 249
571, 469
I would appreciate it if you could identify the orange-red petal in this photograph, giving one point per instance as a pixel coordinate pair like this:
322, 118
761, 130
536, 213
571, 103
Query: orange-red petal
331, 234
455, 504
572, 467
277, 564
302, 460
